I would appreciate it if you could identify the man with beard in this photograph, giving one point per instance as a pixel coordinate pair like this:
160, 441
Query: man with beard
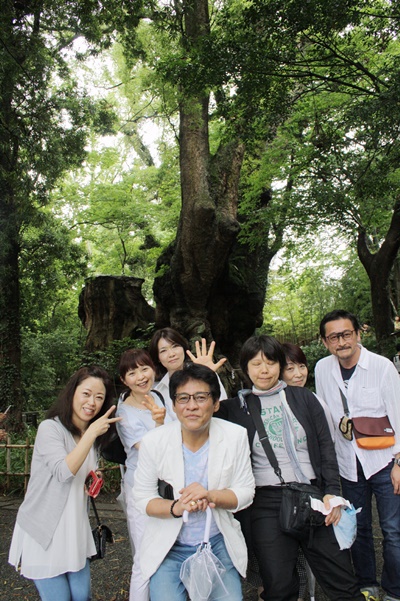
358, 383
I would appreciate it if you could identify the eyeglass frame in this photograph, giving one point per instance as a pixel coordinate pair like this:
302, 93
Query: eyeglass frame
186, 394
346, 335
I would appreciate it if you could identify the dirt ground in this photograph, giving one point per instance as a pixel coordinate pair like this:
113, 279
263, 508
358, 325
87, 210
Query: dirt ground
110, 577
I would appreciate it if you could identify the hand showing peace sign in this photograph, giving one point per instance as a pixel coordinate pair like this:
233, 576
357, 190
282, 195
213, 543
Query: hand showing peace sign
157, 412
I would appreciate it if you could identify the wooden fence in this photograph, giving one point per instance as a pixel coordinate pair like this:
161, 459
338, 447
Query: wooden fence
28, 447
8, 472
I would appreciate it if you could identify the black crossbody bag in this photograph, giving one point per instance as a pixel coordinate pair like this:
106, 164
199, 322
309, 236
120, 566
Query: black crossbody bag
296, 516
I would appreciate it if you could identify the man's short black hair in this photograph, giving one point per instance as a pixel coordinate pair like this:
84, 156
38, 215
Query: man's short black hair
338, 314
193, 371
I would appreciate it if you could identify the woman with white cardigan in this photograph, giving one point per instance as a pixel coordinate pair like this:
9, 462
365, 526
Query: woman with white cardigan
52, 540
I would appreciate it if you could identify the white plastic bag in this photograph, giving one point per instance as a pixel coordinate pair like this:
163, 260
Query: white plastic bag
201, 573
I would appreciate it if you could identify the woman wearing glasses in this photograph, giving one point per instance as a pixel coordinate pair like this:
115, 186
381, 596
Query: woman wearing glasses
297, 429
207, 462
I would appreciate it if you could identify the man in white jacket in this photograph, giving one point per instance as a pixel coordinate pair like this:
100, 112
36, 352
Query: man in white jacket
207, 462
369, 386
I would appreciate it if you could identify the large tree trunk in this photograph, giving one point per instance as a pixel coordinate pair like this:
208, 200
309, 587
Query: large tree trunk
10, 341
378, 267
198, 294
210, 284
113, 308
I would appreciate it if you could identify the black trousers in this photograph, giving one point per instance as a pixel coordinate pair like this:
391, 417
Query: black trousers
277, 552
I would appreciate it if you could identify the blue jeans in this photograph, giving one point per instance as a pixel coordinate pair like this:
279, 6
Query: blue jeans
165, 582
388, 504
72, 586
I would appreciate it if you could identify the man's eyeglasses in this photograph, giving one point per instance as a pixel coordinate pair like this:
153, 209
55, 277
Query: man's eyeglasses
346, 335
199, 397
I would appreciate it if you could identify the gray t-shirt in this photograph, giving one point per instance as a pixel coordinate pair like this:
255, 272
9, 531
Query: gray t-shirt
271, 414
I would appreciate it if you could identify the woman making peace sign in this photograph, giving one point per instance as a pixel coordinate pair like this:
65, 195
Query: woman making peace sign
52, 539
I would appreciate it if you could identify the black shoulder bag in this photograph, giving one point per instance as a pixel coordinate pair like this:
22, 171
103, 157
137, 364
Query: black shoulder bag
296, 517
101, 535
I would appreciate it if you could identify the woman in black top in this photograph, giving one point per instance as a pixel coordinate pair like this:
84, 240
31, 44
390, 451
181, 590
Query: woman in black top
293, 418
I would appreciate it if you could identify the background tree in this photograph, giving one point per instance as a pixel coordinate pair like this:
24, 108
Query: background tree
342, 145
276, 118
44, 120
204, 283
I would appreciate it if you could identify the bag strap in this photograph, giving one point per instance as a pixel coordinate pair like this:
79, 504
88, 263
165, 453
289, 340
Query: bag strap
95, 511
263, 436
160, 396
344, 403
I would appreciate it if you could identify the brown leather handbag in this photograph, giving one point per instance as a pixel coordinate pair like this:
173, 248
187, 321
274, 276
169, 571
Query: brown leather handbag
373, 432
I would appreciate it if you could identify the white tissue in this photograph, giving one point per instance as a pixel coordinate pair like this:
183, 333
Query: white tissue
333, 502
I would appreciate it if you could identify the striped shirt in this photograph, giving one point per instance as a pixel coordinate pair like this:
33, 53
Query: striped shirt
374, 391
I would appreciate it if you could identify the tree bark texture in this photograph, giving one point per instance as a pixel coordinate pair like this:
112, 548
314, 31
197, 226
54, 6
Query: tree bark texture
378, 267
113, 308
206, 287
10, 223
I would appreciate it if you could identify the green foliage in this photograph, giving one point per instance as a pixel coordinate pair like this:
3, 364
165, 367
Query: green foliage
48, 360
121, 199
310, 282
45, 118
52, 265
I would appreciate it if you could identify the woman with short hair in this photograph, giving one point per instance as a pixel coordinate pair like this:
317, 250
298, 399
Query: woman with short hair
140, 410
299, 435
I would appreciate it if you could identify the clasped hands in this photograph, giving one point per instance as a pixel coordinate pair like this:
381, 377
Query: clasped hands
193, 498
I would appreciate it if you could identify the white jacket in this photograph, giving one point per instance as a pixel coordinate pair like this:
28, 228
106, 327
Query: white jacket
229, 466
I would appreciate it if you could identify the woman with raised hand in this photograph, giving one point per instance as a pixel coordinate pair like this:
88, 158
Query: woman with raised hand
52, 540
140, 410
170, 351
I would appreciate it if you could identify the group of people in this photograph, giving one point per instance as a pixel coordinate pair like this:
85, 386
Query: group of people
178, 427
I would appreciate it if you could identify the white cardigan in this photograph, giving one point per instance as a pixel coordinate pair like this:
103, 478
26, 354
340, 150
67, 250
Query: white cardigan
229, 466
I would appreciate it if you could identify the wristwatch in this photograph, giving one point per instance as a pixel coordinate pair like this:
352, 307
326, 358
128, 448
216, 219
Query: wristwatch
397, 461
